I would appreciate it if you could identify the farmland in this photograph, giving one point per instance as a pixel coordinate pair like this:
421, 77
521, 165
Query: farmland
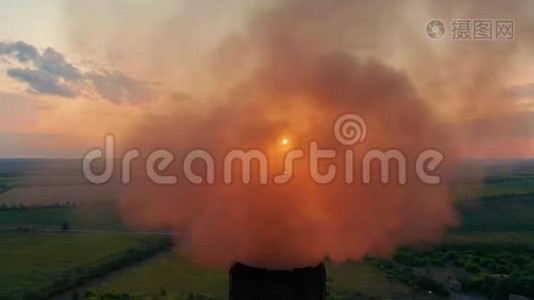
183, 280
6, 183
38, 265
494, 266
489, 253
94, 217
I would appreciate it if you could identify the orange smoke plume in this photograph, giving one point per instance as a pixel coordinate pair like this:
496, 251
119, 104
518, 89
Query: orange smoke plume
298, 87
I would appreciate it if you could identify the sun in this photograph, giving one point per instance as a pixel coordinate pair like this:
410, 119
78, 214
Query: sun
285, 141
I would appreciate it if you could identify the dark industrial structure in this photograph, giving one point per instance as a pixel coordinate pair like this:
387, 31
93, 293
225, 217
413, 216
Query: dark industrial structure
249, 283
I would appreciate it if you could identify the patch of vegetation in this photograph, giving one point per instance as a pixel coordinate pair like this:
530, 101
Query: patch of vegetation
356, 280
114, 295
185, 280
418, 282
493, 179
45, 264
95, 217
171, 272
492, 269
6, 184
498, 215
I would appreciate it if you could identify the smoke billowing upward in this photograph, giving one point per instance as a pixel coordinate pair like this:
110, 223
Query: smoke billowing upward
289, 72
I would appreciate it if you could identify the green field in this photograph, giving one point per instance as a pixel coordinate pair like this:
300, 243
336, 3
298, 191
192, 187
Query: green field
6, 183
37, 265
488, 251
498, 214
95, 217
44, 182
471, 258
507, 187
488, 179
364, 280
183, 280
525, 237
171, 273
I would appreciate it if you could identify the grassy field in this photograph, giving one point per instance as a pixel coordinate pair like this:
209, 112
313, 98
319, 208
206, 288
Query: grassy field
466, 193
183, 280
493, 179
95, 217
47, 182
6, 183
498, 214
506, 186
36, 265
512, 237
169, 274
363, 280
350, 280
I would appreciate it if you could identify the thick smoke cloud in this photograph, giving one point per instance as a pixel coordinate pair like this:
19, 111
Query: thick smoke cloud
300, 85
289, 69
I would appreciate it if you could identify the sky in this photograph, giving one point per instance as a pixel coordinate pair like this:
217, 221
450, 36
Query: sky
73, 71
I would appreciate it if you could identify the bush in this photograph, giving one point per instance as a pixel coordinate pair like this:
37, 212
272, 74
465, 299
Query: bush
65, 226
472, 267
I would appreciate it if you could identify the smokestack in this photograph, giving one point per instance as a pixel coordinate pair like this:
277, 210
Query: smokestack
307, 283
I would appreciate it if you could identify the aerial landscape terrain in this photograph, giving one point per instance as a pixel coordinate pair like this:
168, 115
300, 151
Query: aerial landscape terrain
79, 248
266, 150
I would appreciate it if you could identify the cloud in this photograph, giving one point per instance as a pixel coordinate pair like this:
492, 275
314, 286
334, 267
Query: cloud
288, 69
54, 63
47, 72
515, 125
20, 50
180, 96
523, 91
300, 84
117, 87
42, 82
